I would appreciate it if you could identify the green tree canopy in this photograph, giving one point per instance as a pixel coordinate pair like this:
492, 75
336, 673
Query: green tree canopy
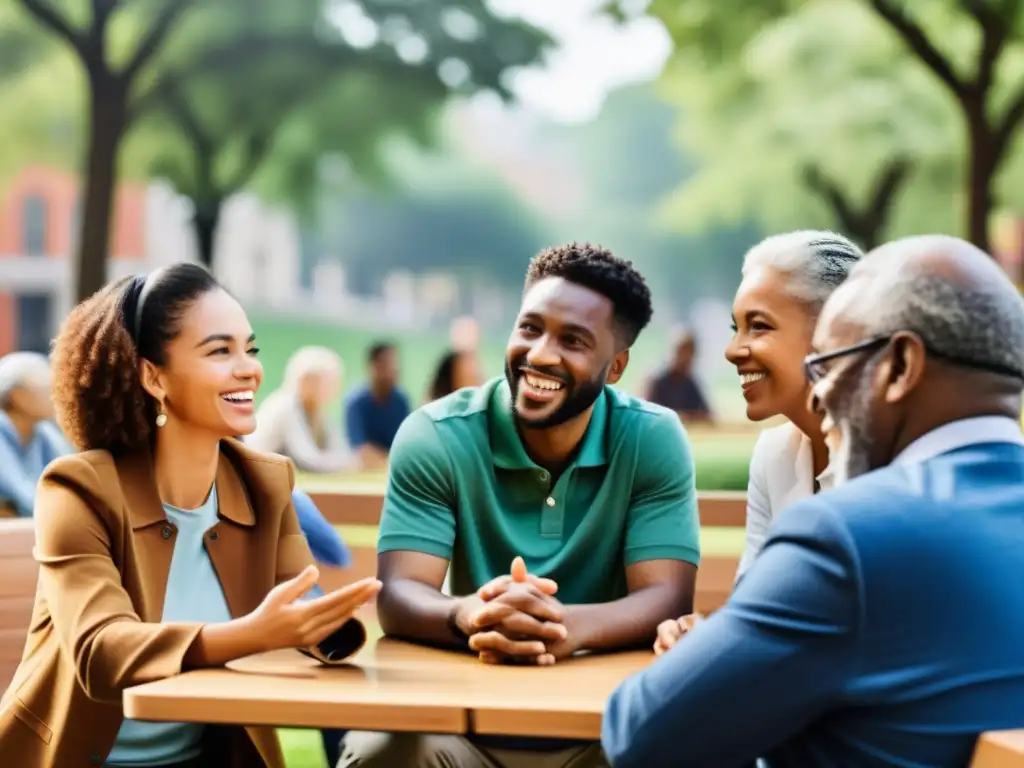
807, 128
972, 50
143, 58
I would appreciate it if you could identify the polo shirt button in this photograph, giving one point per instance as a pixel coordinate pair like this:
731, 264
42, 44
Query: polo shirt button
544, 477
213, 535
551, 501
166, 532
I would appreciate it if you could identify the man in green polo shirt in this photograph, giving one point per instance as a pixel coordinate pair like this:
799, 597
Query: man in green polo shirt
592, 488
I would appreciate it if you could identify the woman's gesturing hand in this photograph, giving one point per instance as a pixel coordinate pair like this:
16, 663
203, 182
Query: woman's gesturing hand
285, 621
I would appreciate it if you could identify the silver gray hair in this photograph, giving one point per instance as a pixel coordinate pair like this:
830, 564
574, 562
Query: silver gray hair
308, 361
20, 368
815, 261
965, 308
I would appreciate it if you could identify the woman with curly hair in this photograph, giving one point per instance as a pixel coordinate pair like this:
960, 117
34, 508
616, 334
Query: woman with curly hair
165, 544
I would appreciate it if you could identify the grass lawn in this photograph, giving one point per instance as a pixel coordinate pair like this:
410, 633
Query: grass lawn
721, 459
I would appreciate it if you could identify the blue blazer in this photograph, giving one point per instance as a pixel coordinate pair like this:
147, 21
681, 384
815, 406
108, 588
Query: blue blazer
881, 625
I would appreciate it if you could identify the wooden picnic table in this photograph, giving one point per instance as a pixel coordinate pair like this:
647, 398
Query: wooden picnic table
395, 686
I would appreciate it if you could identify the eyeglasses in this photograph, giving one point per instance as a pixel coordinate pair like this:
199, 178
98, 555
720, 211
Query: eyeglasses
814, 365
816, 370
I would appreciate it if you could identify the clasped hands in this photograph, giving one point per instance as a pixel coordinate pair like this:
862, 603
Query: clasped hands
515, 619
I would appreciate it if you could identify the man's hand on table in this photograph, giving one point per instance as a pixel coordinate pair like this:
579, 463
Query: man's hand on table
671, 631
516, 619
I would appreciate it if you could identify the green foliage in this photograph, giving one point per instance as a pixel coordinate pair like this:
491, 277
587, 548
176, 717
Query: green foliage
319, 89
626, 164
797, 96
446, 216
773, 94
210, 85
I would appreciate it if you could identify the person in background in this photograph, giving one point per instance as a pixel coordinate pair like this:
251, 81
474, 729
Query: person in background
164, 545
457, 370
294, 421
324, 542
374, 412
675, 388
880, 624
464, 334
549, 466
29, 440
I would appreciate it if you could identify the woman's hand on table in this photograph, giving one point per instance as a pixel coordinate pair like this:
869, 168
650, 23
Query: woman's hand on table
672, 631
286, 621
282, 620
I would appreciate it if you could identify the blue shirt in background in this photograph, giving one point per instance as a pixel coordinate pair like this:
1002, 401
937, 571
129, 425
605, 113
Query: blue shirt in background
193, 594
22, 464
324, 542
369, 421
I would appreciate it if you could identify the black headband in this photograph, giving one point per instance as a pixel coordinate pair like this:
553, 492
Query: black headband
134, 297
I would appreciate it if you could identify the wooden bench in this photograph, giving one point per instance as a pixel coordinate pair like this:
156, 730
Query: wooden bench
19, 573
714, 579
724, 509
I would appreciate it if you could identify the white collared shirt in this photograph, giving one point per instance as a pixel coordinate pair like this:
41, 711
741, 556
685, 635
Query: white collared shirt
960, 434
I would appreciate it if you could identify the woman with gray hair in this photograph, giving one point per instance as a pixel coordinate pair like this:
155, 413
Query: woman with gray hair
29, 440
786, 280
293, 421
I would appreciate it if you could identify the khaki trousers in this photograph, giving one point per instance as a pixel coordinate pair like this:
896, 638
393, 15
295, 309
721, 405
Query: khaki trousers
365, 749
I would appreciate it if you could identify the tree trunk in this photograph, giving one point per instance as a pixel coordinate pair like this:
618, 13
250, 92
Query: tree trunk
981, 168
107, 123
205, 221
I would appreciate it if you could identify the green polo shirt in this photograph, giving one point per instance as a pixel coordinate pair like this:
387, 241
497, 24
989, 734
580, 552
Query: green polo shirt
461, 487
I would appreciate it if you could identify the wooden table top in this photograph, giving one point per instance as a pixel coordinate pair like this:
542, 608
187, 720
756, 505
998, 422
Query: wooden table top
394, 686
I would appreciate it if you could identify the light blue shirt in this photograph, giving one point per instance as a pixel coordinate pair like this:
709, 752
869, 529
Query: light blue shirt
21, 464
193, 594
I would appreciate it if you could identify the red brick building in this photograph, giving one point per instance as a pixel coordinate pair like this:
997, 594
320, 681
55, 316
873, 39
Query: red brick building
39, 215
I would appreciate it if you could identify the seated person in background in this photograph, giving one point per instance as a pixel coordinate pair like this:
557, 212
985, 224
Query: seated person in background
374, 412
324, 541
464, 334
164, 545
29, 440
675, 388
294, 420
593, 488
457, 370
881, 623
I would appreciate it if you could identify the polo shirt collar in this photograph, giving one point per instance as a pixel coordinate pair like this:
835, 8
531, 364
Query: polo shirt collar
506, 447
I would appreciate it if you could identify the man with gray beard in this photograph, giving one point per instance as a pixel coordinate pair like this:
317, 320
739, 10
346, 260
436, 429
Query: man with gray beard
881, 624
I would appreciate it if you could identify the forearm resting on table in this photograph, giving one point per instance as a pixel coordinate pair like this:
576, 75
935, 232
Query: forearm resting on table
628, 621
217, 644
416, 611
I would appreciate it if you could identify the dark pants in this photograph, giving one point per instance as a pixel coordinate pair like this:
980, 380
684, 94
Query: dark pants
332, 745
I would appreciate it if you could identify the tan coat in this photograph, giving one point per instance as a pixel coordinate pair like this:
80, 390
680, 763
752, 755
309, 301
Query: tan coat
104, 548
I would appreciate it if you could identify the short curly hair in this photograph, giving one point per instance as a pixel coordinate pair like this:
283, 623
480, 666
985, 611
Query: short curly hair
598, 269
97, 394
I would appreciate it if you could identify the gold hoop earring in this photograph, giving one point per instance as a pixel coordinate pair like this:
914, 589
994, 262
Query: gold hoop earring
161, 418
